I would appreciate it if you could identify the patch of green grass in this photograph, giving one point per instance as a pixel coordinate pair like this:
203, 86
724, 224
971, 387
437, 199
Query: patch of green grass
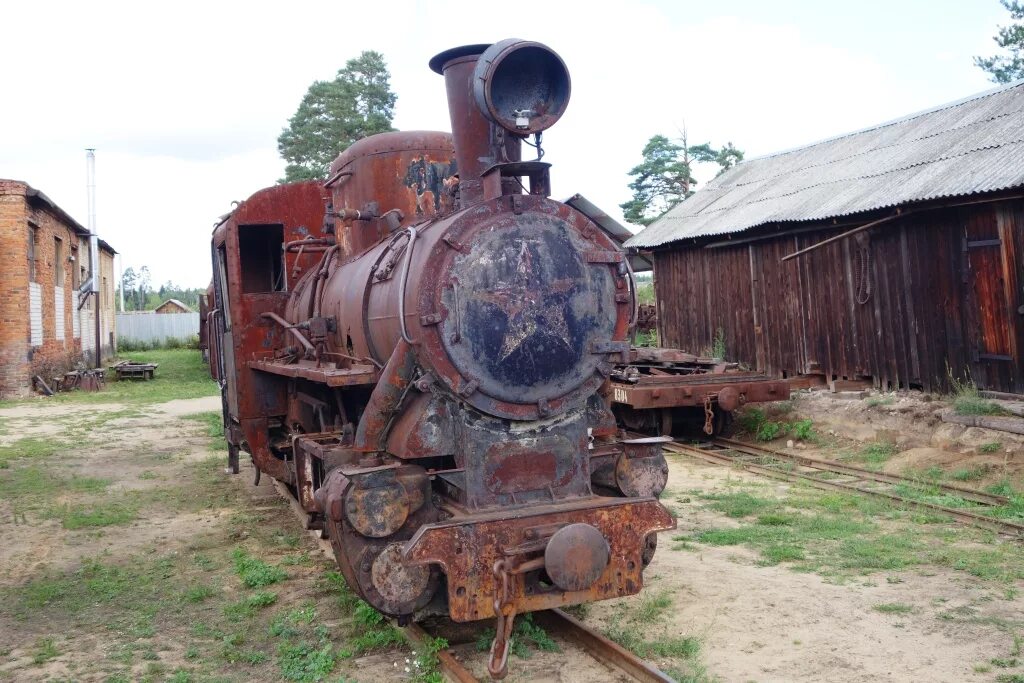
182, 374
1000, 562
749, 420
122, 597
375, 633
803, 430
527, 637
740, 503
247, 608
967, 399
642, 630
1004, 662
254, 572
428, 664
302, 558
199, 593
770, 430
1010, 678
653, 606
893, 608
877, 453
874, 552
306, 662
231, 651
32, 447
775, 519
44, 651
96, 515
876, 401
631, 636
213, 421
40, 482
180, 675
1003, 487
832, 534
781, 552
991, 447
931, 494
972, 473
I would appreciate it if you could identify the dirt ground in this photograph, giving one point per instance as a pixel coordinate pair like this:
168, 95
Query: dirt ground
121, 542
769, 623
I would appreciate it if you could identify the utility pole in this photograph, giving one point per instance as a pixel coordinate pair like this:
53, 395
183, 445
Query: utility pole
94, 246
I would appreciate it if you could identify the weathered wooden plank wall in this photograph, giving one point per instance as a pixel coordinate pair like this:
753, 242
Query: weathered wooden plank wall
906, 304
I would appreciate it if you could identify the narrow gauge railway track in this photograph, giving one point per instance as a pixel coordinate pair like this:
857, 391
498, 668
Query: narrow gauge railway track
841, 477
556, 622
563, 626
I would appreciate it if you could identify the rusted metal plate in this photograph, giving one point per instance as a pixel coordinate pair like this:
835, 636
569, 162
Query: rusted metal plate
467, 549
670, 394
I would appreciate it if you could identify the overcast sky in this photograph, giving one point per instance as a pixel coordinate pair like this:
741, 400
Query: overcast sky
184, 101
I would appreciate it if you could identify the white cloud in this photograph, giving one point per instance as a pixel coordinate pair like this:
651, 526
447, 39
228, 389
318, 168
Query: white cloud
184, 103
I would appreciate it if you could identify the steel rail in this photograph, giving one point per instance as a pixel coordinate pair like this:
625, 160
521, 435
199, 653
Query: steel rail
1007, 527
452, 668
839, 468
602, 649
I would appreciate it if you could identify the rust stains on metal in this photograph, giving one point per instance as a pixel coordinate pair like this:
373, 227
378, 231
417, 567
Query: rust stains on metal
424, 362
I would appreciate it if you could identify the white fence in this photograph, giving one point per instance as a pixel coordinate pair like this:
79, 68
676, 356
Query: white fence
149, 326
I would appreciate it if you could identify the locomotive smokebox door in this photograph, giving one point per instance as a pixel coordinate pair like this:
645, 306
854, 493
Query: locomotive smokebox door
526, 318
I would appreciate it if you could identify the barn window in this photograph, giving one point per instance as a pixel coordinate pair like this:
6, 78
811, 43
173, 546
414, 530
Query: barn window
33, 235
75, 279
261, 258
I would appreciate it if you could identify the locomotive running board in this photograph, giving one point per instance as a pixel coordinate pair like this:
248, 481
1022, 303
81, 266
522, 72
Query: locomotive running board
332, 377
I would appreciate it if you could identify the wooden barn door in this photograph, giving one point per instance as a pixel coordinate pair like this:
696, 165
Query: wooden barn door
993, 296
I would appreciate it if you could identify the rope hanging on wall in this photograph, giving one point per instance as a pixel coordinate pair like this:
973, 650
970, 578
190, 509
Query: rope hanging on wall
862, 277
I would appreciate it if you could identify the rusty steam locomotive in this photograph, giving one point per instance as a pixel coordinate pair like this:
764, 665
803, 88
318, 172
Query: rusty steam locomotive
419, 349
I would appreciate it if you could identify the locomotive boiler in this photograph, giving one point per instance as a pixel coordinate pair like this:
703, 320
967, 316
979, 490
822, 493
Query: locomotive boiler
419, 349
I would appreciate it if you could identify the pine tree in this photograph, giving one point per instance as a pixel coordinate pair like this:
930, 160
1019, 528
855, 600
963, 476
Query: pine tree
334, 114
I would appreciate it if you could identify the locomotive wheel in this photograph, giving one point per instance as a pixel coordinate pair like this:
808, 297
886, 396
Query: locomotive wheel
374, 571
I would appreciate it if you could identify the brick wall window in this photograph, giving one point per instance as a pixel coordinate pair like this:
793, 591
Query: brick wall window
75, 281
58, 262
33, 235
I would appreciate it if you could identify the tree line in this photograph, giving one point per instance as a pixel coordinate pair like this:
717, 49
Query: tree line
140, 295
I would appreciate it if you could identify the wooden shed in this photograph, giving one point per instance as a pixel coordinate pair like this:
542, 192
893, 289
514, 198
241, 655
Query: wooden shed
172, 306
915, 231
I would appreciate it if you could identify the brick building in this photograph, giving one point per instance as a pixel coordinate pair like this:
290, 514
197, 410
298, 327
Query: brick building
43, 328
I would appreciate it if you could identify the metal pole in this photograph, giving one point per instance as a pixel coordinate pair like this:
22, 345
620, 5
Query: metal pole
830, 240
94, 247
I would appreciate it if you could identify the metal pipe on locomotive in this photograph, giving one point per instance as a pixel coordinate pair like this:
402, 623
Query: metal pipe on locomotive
420, 350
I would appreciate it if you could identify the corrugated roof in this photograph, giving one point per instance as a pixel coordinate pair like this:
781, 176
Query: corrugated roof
965, 147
